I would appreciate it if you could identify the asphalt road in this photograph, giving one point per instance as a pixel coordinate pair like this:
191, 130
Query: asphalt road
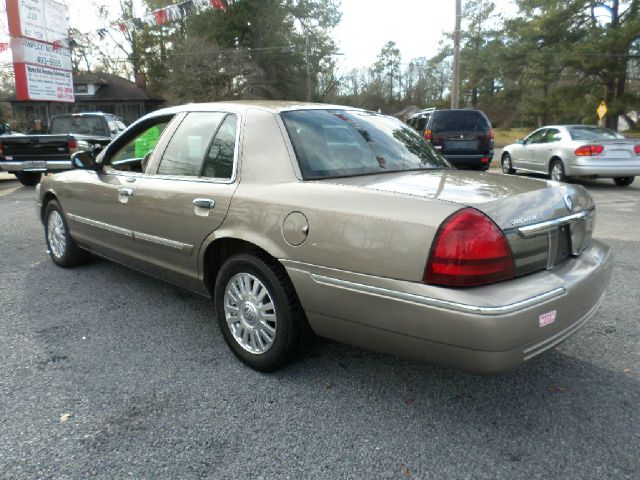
107, 373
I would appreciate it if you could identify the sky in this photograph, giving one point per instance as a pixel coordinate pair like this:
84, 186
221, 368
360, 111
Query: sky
415, 25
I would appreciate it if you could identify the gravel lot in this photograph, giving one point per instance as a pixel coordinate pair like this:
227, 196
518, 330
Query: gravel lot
107, 373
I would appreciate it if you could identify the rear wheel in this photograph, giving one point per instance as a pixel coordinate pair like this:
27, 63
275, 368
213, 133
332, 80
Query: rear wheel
556, 171
64, 251
29, 179
507, 165
258, 311
623, 181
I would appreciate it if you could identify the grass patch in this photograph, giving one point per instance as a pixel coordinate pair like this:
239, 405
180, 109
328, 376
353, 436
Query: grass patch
504, 137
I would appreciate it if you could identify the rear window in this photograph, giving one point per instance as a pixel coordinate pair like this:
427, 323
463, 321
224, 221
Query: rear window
459, 120
83, 125
338, 143
593, 133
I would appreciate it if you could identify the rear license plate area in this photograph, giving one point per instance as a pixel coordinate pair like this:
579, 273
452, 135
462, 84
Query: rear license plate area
563, 249
35, 165
461, 144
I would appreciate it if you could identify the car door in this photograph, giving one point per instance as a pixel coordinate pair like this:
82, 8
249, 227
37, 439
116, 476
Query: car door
543, 151
185, 194
98, 203
523, 157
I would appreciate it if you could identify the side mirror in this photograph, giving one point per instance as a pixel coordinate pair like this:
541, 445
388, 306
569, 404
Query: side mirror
84, 160
520, 141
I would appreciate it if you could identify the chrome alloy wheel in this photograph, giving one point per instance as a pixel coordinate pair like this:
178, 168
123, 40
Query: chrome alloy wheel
557, 172
506, 164
250, 313
56, 234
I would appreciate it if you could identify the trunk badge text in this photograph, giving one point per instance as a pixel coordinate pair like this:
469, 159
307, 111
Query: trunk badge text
517, 221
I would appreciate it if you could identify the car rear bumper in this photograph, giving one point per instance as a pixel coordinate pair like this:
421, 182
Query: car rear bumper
34, 165
604, 168
474, 160
486, 330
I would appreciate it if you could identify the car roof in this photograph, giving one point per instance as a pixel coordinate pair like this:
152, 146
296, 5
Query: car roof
275, 106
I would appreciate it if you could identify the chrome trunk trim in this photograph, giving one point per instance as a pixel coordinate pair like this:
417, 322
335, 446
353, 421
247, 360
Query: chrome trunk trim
543, 227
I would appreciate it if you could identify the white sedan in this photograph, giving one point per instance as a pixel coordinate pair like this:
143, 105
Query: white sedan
562, 151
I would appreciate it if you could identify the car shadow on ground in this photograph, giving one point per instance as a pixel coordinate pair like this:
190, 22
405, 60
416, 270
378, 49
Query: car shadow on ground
137, 337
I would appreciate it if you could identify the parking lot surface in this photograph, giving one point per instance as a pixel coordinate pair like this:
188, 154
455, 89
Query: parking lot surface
107, 373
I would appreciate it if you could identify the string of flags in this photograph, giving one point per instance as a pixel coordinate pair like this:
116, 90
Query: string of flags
164, 15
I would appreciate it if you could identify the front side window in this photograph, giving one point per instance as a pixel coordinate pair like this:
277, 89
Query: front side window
130, 154
191, 140
536, 137
338, 143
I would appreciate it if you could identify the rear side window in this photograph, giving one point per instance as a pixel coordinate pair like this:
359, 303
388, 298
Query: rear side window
421, 124
185, 153
459, 120
219, 160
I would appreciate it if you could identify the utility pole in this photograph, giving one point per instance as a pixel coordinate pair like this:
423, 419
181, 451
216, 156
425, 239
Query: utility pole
455, 76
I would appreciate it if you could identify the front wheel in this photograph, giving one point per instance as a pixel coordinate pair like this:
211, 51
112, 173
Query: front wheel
556, 171
258, 311
507, 165
29, 179
623, 181
64, 251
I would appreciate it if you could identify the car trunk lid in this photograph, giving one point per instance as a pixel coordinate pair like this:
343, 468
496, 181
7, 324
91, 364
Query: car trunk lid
544, 222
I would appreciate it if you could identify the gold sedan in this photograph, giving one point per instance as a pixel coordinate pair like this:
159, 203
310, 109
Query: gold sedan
303, 218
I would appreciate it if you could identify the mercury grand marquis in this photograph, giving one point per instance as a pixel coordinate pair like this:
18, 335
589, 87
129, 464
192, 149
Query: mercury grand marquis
304, 218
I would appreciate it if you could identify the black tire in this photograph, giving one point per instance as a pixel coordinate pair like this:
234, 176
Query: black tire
71, 254
556, 169
29, 179
507, 164
292, 331
623, 181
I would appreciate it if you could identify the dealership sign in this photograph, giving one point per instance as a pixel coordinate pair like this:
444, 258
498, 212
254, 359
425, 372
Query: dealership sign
41, 59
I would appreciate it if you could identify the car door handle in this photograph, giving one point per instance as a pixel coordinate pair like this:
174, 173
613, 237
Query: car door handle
204, 203
125, 192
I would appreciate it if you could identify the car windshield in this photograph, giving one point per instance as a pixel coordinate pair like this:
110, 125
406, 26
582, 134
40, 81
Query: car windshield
341, 143
459, 120
593, 133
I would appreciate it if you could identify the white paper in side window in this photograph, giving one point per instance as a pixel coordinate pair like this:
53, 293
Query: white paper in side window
547, 318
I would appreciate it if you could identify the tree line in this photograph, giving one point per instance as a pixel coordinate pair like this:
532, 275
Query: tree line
550, 62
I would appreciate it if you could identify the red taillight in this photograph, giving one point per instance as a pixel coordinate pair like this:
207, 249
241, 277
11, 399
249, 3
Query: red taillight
589, 150
427, 134
72, 145
491, 134
635, 149
485, 160
469, 250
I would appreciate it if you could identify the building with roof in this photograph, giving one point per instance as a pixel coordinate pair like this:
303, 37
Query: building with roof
94, 92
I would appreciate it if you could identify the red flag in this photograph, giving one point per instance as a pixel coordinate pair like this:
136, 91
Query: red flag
161, 16
219, 4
